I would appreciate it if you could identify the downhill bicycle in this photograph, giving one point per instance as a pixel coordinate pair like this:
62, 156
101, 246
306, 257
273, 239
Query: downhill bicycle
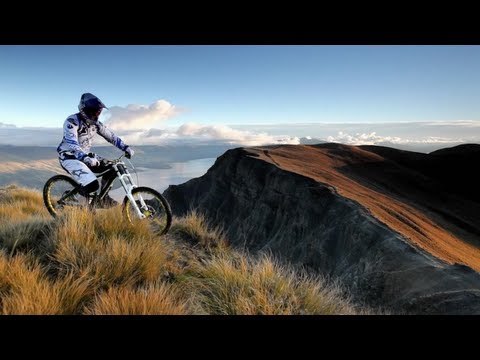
61, 192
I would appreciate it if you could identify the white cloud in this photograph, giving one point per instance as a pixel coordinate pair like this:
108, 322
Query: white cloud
197, 133
136, 116
144, 137
412, 133
426, 136
421, 144
363, 139
232, 136
462, 129
374, 139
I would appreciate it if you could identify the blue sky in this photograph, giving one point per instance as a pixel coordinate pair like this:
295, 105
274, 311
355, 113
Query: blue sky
239, 85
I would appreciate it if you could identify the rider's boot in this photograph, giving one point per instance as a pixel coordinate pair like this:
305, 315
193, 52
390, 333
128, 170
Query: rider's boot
107, 202
91, 200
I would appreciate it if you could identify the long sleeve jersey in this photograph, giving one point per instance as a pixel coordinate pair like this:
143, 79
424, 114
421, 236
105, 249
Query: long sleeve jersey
78, 136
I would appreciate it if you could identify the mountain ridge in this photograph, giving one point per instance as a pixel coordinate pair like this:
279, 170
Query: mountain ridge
325, 206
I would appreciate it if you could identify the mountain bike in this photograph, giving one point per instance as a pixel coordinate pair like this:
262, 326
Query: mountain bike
62, 192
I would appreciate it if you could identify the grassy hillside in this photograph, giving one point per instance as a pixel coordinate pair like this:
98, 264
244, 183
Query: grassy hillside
85, 264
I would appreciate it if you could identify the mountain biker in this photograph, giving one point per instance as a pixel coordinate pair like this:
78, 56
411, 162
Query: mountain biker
74, 157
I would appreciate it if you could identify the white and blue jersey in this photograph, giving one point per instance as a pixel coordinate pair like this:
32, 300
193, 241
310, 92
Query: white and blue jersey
76, 143
78, 136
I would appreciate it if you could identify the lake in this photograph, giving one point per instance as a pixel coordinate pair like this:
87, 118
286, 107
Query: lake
160, 179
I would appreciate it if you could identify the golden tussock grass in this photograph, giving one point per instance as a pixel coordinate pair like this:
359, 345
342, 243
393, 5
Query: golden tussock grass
234, 283
154, 299
26, 289
32, 232
194, 228
3, 271
107, 248
17, 204
76, 291
85, 263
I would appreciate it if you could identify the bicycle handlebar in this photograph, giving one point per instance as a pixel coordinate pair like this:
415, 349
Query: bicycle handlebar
111, 162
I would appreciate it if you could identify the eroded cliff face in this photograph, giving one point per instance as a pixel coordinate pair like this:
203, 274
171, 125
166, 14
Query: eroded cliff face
304, 221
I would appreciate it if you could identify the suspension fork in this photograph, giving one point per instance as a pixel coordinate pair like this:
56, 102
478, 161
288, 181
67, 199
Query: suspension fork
128, 187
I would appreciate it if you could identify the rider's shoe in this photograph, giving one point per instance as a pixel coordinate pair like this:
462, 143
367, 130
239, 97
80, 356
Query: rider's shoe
90, 200
107, 202
71, 200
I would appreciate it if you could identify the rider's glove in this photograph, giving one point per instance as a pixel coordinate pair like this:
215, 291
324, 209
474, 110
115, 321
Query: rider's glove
91, 161
129, 152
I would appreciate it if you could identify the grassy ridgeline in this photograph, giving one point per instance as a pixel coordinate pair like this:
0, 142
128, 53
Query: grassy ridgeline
84, 264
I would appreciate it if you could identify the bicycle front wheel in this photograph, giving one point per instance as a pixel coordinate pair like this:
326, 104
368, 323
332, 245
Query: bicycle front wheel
152, 205
60, 192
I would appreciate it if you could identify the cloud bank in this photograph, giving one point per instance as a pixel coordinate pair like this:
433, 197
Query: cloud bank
148, 125
423, 137
136, 125
204, 134
374, 139
136, 116
425, 144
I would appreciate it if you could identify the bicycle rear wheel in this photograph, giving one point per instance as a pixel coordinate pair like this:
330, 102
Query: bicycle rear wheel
60, 193
152, 205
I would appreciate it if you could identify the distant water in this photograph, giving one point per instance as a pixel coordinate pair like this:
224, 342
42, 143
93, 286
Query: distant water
160, 179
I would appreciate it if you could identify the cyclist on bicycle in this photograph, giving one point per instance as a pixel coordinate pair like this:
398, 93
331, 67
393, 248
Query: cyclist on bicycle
78, 132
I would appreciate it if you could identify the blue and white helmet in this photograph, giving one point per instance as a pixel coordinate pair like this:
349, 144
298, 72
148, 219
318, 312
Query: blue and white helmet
90, 107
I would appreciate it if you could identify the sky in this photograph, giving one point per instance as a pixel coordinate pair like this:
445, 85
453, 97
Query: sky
248, 95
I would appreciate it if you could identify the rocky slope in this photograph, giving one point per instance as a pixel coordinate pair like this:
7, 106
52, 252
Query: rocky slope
383, 221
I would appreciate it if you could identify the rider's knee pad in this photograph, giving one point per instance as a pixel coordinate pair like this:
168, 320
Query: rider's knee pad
90, 187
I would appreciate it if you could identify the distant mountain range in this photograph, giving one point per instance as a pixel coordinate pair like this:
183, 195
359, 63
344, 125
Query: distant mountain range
31, 166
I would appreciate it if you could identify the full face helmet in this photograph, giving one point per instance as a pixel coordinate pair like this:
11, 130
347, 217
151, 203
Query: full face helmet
90, 107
